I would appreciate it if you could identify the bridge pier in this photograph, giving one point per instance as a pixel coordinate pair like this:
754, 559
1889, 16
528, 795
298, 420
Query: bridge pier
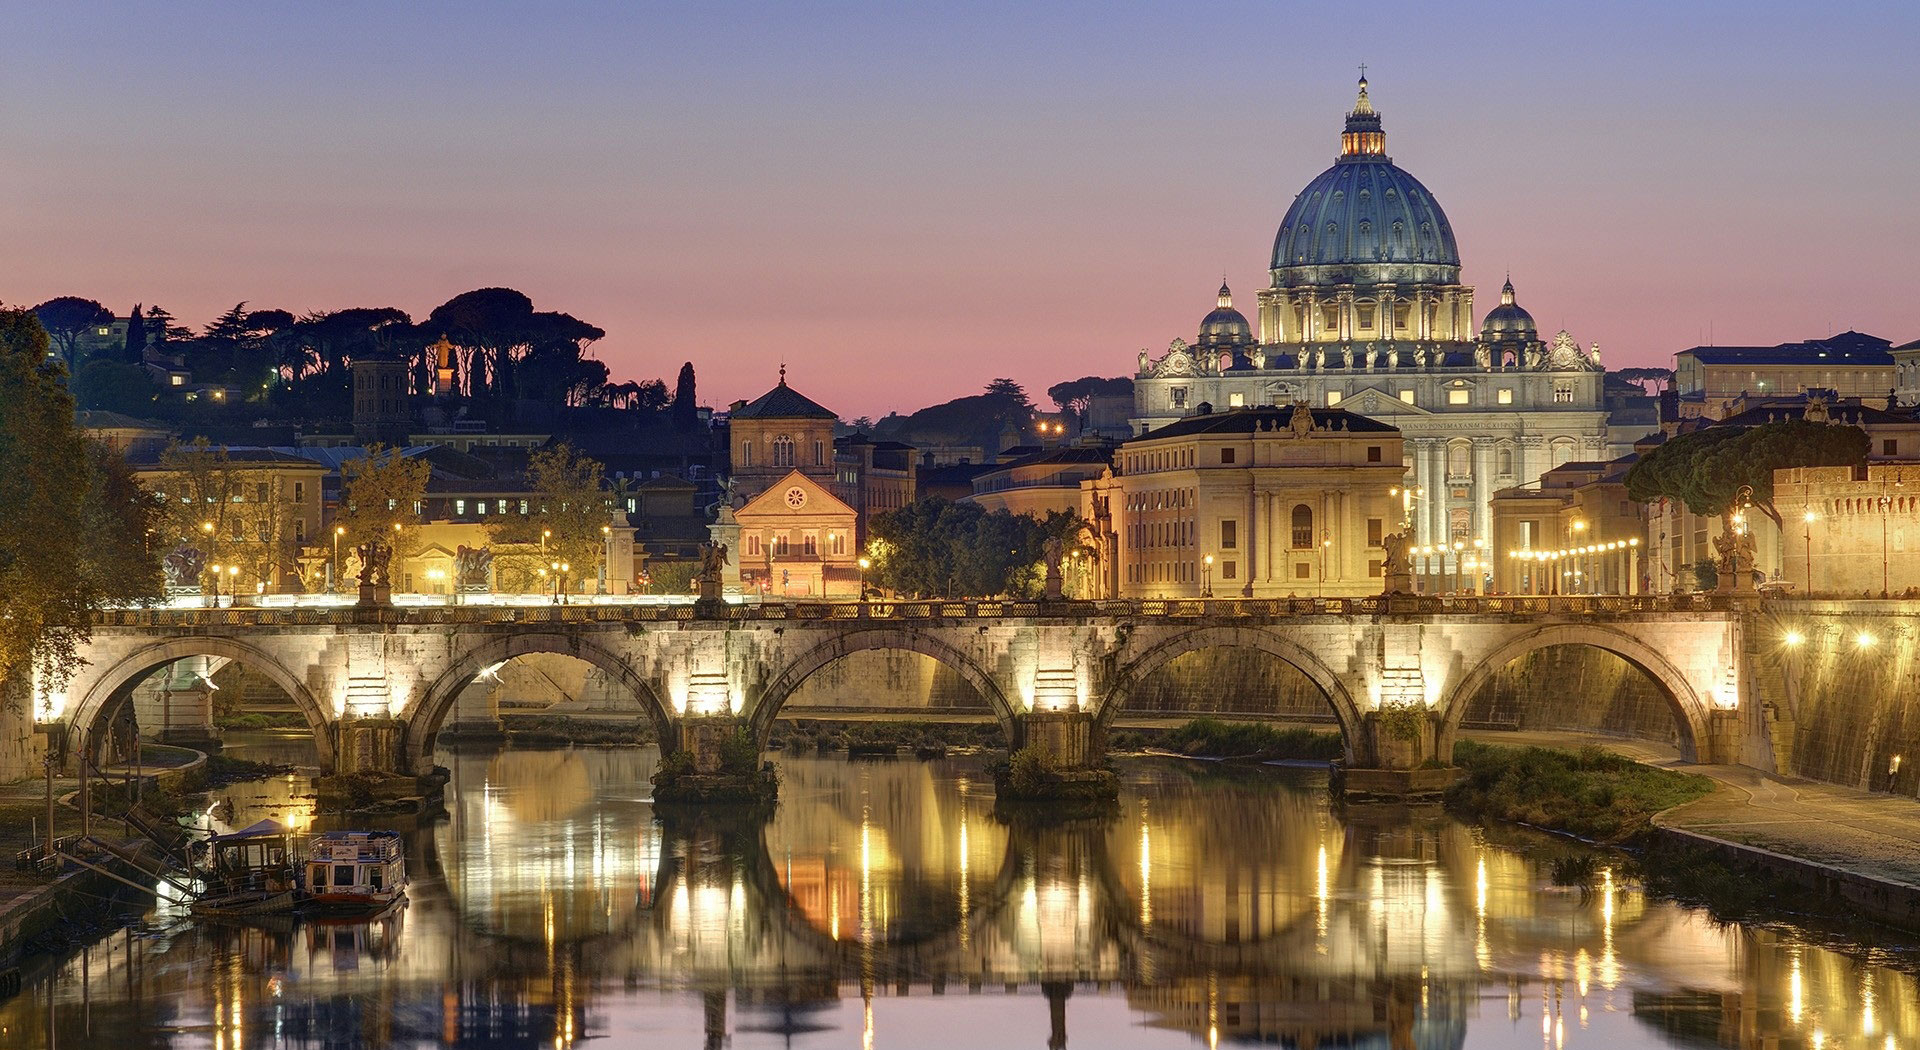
713, 758
1058, 756
370, 771
1400, 757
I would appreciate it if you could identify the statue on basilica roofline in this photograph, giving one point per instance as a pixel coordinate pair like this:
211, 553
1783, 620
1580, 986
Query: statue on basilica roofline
1483, 356
1393, 357
1346, 355
1419, 356
1372, 355
1146, 362
1320, 360
1301, 422
1535, 359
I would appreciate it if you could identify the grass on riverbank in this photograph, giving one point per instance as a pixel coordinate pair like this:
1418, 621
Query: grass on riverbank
1212, 738
1589, 793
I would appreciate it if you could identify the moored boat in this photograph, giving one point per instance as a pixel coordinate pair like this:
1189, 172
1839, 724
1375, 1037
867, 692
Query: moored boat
356, 870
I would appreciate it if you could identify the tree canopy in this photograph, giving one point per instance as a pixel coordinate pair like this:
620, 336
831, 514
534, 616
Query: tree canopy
71, 525
570, 514
1075, 394
381, 490
1706, 469
66, 319
934, 547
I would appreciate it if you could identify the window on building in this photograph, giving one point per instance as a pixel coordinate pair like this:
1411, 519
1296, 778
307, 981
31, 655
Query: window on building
1376, 531
1177, 397
1505, 397
178, 380
1229, 534
1374, 568
1227, 570
1236, 400
1302, 526
460, 506
839, 539
523, 508
1459, 459
1890, 447
819, 454
809, 544
1333, 398
746, 453
1373, 453
1503, 462
299, 530
1302, 571
1226, 455
779, 544
299, 492
783, 451
753, 544
1407, 396
238, 530
1458, 396
1561, 450
1563, 391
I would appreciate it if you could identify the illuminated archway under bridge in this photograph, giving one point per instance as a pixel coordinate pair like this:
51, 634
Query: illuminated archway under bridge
1396, 674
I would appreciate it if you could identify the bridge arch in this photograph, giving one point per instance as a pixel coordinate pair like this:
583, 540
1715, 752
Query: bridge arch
1273, 643
774, 697
423, 721
1688, 707
115, 685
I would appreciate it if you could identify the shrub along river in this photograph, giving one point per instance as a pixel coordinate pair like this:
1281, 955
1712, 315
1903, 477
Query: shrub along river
884, 905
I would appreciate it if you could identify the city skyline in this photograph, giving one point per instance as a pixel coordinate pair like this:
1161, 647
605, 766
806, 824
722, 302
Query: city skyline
1036, 195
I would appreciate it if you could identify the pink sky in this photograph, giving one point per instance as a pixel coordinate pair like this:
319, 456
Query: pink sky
904, 205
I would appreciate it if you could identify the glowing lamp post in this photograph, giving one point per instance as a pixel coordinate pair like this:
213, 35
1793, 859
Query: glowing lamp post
1206, 576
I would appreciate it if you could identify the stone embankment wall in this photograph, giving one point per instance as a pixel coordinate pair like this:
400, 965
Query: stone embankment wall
1842, 682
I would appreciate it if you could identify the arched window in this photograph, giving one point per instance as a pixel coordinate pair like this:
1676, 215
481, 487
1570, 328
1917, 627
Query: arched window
1504, 462
783, 451
1302, 526
1562, 449
1459, 459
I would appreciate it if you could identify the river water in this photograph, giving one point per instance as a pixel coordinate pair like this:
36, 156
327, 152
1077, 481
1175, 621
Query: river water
883, 905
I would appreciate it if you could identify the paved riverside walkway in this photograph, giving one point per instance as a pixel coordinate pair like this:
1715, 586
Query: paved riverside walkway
1871, 834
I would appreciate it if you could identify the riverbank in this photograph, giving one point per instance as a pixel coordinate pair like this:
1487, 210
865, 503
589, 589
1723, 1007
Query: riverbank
1755, 841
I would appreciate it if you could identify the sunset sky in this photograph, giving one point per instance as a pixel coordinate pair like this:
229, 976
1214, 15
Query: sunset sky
905, 202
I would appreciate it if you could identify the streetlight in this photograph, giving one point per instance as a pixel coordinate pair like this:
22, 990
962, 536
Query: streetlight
334, 569
1809, 518
556, 581
232, 583
1206, 576
1326, 543
865, 564
214, 599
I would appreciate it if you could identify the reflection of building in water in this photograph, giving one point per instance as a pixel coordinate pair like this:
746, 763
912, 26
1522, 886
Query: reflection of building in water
1356, 1012
1241, 908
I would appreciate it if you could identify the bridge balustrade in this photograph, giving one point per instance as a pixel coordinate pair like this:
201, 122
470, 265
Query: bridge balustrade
955, 609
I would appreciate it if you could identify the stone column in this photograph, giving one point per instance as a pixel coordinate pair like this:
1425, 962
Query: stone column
1251, 530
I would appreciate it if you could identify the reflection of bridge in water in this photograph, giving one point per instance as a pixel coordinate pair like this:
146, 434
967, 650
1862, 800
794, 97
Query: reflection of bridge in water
552, 906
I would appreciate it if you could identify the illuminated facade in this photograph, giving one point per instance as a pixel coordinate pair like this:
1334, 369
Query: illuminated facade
1366, 312
1257, 502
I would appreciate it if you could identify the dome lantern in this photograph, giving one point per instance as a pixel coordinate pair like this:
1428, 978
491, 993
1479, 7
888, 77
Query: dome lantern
1363, 136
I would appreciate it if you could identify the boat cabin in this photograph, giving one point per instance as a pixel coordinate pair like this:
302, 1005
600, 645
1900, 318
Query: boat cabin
356, 867
254, 858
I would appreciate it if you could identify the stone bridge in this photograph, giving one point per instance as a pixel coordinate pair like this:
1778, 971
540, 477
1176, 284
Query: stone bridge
376, 683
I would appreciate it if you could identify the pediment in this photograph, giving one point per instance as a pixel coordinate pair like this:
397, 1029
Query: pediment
819, 500
1376, 402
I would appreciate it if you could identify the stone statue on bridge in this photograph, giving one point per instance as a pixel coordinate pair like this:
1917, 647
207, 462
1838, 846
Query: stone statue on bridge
183, 565
1734, 546
375, 557
710, 580
472, 567
1396, 569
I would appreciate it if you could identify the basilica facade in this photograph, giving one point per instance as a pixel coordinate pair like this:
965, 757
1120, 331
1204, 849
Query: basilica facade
1365, 312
